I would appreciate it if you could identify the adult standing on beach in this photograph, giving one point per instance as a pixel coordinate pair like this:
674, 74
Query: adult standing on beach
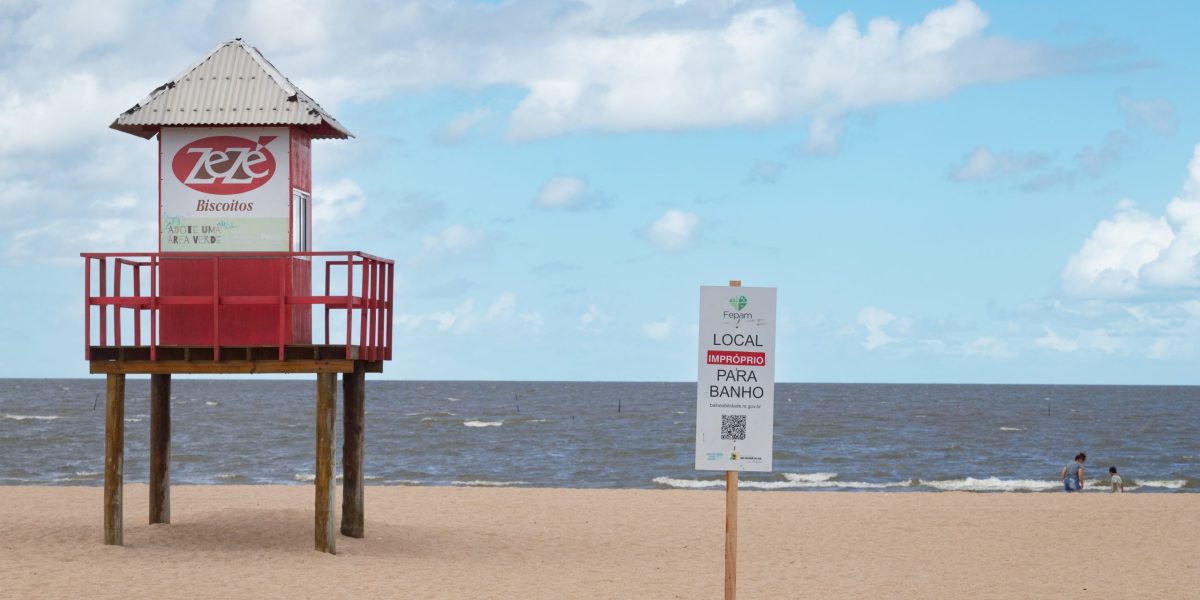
1072, 474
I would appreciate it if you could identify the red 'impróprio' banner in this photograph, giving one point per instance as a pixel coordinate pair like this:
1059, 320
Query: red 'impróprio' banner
737, 359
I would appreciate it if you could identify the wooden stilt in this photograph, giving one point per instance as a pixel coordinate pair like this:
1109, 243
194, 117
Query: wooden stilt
324, 535
731, 485
160, 448
353, 389
114, 459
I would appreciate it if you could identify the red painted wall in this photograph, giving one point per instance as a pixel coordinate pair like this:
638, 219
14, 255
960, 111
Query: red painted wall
240, 325
301, 163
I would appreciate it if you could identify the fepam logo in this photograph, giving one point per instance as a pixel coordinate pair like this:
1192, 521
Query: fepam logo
224, 164
738, 302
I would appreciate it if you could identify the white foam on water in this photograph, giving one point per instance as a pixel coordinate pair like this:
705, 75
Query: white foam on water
133, 420
372, 477
87, 473
681, 412
484, 483
1011, 429
404, 481
313, 477
483, 423
850, 485
992, 484
452, 399
809, 476
1171, 484
792, 481
31, 417
536, 421
211, 403
689, 483
233, 476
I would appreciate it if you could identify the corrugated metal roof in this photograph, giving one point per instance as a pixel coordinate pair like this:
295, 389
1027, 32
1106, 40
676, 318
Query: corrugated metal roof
233, 85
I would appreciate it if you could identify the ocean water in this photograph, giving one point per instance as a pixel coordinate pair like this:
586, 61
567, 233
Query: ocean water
851, 437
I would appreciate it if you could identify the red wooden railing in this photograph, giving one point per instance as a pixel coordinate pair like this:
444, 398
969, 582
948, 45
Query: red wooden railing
371, 308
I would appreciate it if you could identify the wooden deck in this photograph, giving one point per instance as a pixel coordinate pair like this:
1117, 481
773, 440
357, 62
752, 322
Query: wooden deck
301, 358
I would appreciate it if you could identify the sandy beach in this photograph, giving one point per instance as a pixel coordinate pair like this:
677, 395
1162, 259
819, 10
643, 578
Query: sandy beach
439, 542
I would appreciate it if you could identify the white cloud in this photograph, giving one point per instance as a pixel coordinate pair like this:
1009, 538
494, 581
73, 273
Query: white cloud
1055, 342
70, 67
119, 202
464, 318
568, 192
1039, 172
456, 241
1110, 260
336, 202
876, 321
461, 125
658, 330
560, 192
460, 319
1156, 114
594, 320
1135, 252
755, 63
982, 164
503, 308
824, 136
533, 319
656, 65
674, 229
1098, 340
62, 239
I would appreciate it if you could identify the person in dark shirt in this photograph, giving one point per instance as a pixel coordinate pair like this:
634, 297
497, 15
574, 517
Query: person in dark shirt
1072, 474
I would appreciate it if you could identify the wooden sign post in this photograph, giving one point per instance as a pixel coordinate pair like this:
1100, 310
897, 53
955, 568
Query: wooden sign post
731, 485
735, 394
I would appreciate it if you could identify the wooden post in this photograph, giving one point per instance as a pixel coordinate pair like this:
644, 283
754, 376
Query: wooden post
324, 538
114, 458
731, 486
160, 448
353, 392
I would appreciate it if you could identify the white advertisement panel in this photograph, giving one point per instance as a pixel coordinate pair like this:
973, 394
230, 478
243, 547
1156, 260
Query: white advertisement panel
224, 189
735, 392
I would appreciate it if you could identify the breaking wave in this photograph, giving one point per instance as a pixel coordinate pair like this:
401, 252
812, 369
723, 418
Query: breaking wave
791, 481
483, 423
31, 417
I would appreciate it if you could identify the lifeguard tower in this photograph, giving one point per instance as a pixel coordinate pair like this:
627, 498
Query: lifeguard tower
235, 286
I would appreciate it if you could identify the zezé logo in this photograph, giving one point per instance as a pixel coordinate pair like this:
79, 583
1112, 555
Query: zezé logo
224, 164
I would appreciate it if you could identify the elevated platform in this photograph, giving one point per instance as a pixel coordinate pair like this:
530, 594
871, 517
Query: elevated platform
238, 313
297, 358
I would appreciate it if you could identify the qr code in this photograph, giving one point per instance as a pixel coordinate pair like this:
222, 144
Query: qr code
733, 427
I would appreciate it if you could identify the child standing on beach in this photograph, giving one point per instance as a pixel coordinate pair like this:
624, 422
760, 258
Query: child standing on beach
1072, 474
1117, 484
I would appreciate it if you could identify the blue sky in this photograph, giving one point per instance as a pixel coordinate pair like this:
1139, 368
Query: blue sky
942, 191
